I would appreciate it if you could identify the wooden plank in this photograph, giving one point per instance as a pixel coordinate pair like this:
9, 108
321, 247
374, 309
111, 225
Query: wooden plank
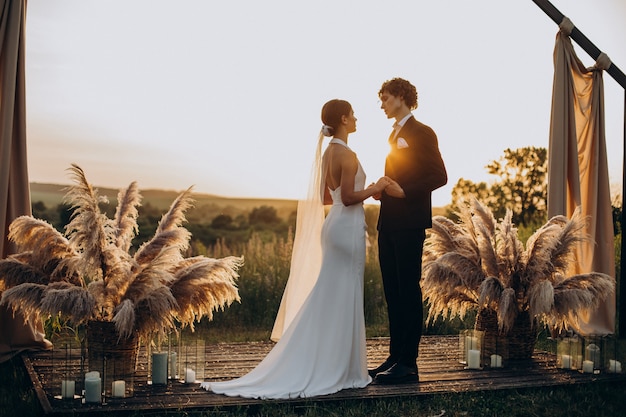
39, 390
439, 367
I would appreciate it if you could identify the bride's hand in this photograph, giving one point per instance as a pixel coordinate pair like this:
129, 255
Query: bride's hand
379, 186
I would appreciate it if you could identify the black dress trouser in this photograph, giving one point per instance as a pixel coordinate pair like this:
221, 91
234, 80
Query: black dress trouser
400, 257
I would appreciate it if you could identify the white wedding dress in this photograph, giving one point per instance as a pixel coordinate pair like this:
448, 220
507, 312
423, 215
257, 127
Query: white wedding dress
322, 350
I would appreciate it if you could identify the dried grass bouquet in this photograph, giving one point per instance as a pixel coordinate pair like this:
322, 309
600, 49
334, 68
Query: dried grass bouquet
88, 273
481, 263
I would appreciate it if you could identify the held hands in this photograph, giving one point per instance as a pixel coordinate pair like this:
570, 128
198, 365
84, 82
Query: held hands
394, 189
378, 187
388, 185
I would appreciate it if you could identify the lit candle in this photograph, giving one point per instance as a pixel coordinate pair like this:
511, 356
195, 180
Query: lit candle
496, 361
93, 387
190, 376
615, 366
566, 362
68, 388
118, 389
159, 368
588, 367
473, 359
172, 369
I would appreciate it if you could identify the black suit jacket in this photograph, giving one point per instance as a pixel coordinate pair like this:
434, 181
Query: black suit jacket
419, 169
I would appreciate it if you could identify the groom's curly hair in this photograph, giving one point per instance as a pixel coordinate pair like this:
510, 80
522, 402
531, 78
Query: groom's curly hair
400, 87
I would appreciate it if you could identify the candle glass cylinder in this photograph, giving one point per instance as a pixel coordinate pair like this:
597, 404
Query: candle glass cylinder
593, 361
114, 357
569, 352
67, 367
173, 368
494, 343
614, 354
470, 348
191, 359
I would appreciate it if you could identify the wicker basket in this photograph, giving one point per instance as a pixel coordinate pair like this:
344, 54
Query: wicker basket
114, 357
517, 344
522, 337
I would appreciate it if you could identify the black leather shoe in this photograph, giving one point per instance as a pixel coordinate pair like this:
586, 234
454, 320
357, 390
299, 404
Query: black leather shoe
398, 374
381, 368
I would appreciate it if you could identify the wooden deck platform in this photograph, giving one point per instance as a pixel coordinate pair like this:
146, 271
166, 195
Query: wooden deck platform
439, 369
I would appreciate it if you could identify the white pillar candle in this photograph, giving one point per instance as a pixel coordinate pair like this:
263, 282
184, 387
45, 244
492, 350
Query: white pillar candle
93, 388
473, 359
172, 368
615, 366
68, 388
588, 367
566, 362
92, 374
190, 376
159, 368
118, 389
496, 361
471, 342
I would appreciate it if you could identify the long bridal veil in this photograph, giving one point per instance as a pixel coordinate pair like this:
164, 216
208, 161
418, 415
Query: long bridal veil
306, 257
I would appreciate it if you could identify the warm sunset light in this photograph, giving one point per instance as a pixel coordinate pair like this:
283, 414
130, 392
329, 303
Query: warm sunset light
228, 97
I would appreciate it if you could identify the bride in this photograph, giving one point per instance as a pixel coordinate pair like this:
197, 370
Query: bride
320, 328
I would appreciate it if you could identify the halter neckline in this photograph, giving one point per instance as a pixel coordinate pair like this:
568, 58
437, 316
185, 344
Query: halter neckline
339, 142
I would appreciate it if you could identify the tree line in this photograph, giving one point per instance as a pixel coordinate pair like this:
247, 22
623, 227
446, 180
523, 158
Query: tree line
520, 185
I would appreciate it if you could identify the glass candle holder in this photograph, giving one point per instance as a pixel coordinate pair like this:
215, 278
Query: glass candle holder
569, 352
593, 360
470, 348
113, 357
173, 369
66, 370
191, 367
614, 354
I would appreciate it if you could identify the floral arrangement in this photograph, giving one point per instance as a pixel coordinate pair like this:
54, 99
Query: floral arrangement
480, 263
89, 273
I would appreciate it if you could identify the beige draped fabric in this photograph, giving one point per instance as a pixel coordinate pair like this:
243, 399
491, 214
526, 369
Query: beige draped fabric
16, 335
578, 171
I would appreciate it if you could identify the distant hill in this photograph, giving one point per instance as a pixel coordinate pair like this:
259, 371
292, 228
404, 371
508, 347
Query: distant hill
52, 195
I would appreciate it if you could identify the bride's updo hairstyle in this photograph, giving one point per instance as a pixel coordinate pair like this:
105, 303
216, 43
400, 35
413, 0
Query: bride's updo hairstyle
331, 115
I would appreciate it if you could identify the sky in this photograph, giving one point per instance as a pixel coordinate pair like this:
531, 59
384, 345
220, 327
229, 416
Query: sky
226, 95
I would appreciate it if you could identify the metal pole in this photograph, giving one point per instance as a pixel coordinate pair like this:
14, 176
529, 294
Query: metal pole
621, 307
581, 40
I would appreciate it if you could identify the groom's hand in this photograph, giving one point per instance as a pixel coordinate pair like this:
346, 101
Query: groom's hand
394, 190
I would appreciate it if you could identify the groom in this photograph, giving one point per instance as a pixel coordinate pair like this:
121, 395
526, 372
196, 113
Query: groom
416, 168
